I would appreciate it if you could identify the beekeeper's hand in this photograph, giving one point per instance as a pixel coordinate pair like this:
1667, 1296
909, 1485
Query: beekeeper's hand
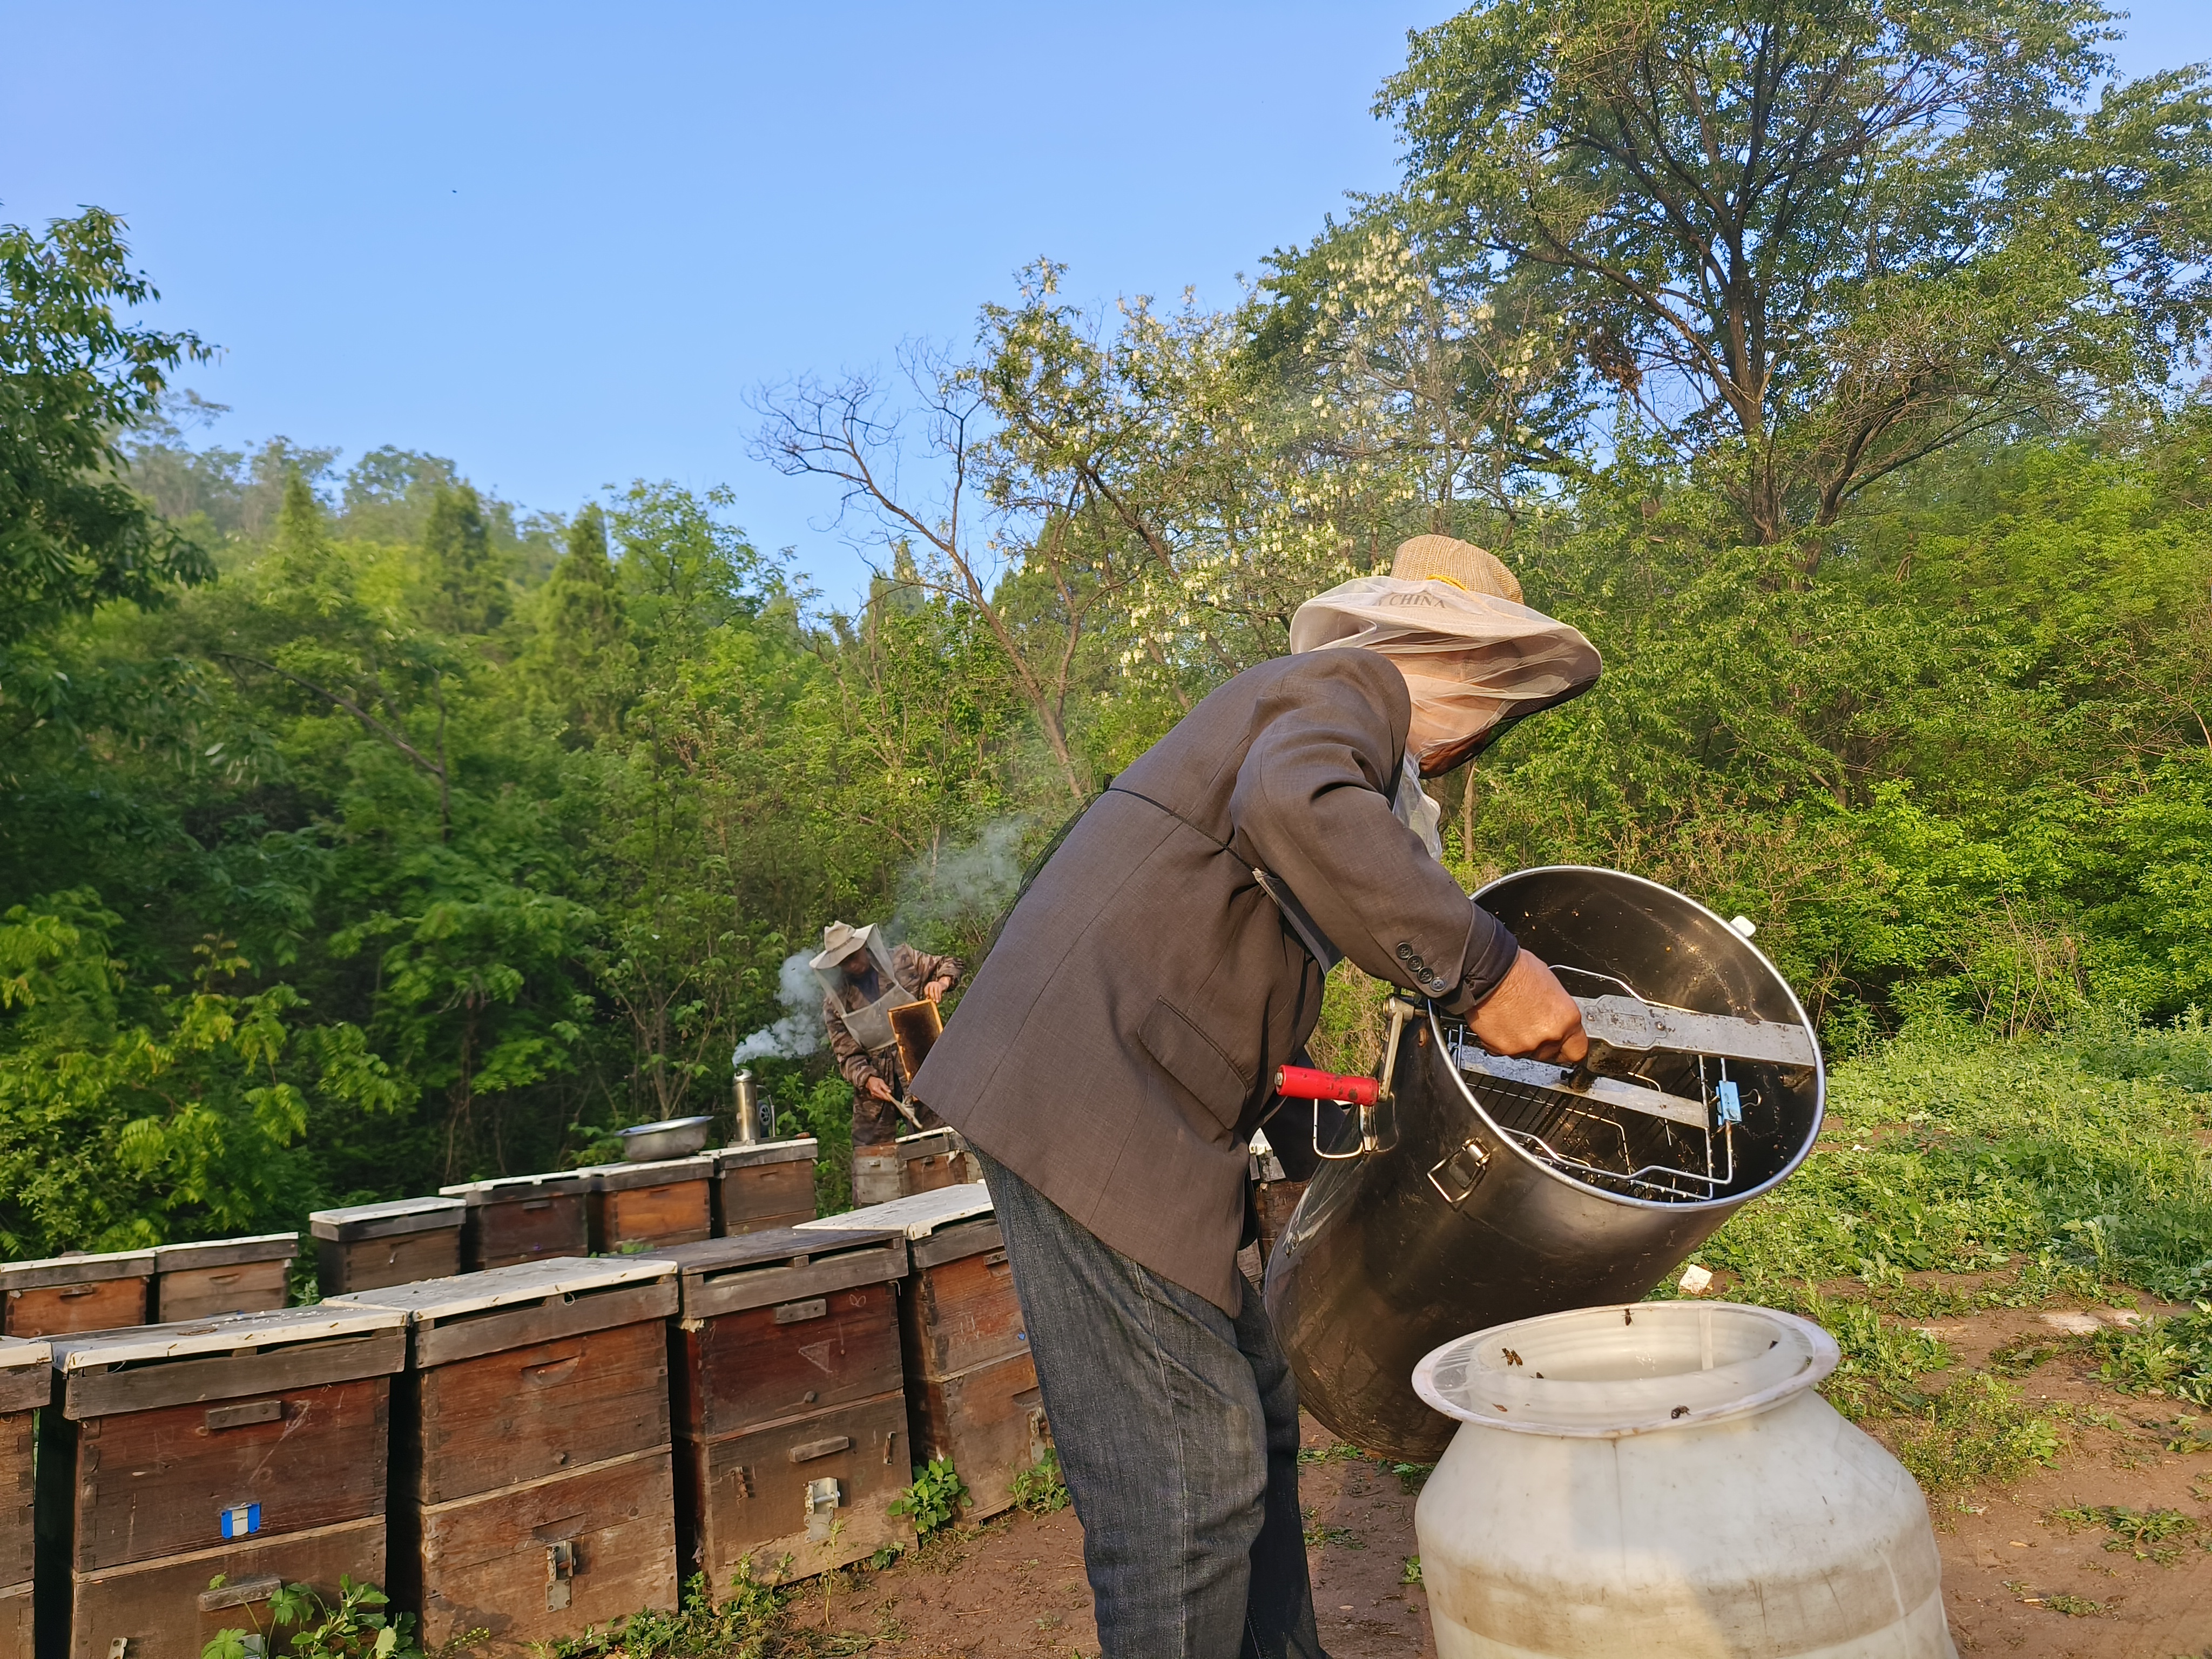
1530, 1015
880, 1090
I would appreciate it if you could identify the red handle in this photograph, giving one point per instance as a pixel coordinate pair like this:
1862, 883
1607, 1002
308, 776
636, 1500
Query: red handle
1304, 1083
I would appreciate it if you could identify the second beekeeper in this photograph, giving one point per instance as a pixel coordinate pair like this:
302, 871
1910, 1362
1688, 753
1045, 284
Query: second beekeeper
863, 980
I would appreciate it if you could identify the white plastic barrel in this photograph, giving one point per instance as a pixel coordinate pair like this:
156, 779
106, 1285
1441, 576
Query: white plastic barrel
1660, 1479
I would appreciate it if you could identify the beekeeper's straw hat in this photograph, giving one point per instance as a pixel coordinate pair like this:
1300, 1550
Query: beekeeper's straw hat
1449, 615
1470, 568
840, 941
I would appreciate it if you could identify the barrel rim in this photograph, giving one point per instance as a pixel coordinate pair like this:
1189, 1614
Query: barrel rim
1817, 1354
1689, 1206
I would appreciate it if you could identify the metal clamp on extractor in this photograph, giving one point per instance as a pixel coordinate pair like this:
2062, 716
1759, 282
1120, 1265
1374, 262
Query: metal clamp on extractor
1379, 1129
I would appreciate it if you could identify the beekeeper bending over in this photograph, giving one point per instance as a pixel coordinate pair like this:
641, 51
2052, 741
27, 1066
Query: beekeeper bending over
1115, 1051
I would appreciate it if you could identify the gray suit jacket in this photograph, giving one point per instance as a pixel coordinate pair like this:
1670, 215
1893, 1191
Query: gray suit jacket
1119, 1045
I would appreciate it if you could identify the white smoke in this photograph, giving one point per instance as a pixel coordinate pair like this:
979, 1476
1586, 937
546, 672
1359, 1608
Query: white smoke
963, 884
798, 1033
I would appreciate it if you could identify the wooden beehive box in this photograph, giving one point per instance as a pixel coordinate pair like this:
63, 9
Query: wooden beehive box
64, 1294
651, 1205
224, 1275
517, 1219
971, 1386
251, 1446
532, 1490
365, 1247
26, 1379
790, 1400
757, 1188
934, 1160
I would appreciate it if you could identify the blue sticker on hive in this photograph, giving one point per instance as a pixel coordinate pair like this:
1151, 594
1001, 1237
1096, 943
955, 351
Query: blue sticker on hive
241, 1520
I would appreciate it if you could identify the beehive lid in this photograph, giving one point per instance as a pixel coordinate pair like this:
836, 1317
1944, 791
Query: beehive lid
400, 1215
16, 1352
27, 1376
152, 1366
507, 1308
766, 1151
503, 1189
1607, 1373
917, 1215
226, 1252
223, 1334
524, 1284
76, 1269
664, 1172
722, 1275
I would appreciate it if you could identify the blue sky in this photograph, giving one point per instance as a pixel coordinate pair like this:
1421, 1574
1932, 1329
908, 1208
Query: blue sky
561, 243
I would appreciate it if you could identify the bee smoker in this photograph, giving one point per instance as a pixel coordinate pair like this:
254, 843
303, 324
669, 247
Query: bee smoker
1472, 1190
751, 1126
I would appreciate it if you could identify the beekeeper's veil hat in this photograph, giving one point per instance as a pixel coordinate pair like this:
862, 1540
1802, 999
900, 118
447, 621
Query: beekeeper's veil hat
1449, 615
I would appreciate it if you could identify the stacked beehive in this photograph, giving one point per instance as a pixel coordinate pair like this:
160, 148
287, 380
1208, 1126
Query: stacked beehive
223, 1275
649, 1206
532, 1486
67, 1293
27, 1380
971, 1386
187, 1472
365, 1247
760, 1188
933, 1159
517, 1219
790, 1401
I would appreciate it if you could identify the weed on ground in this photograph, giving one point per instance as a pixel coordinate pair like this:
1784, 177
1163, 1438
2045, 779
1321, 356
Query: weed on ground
1948, 1148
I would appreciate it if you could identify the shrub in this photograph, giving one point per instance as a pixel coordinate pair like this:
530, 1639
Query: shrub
934, 1499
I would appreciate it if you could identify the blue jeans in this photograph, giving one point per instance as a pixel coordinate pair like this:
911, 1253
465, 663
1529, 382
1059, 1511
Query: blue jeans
1178, 1434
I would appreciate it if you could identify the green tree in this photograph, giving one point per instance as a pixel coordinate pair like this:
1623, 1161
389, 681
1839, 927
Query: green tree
586, 656
1805, 244
466, 576
73, 376
182, 1120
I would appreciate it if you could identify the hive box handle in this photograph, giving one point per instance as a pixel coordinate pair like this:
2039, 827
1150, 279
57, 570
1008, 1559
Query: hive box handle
237, 1417
239, 1594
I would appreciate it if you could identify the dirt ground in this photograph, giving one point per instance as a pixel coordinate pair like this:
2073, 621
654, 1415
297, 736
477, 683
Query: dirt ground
2019, 1581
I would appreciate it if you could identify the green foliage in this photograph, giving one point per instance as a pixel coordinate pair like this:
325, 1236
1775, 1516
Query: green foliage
1411, 1476
2159, 1535
185, 1113
1951, 1149
826, 1110
746, 1625
2168, 1357
2074, 1606
356, 1628
1040, 1488
73, 376
1977, 1431
1882, 1363
934, 1499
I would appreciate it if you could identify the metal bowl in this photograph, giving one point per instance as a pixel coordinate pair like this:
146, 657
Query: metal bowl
675, 1136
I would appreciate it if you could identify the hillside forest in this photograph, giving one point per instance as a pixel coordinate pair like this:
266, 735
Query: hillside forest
1835, 369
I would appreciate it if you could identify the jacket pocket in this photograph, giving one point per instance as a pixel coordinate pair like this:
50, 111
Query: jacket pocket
1193, 1060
